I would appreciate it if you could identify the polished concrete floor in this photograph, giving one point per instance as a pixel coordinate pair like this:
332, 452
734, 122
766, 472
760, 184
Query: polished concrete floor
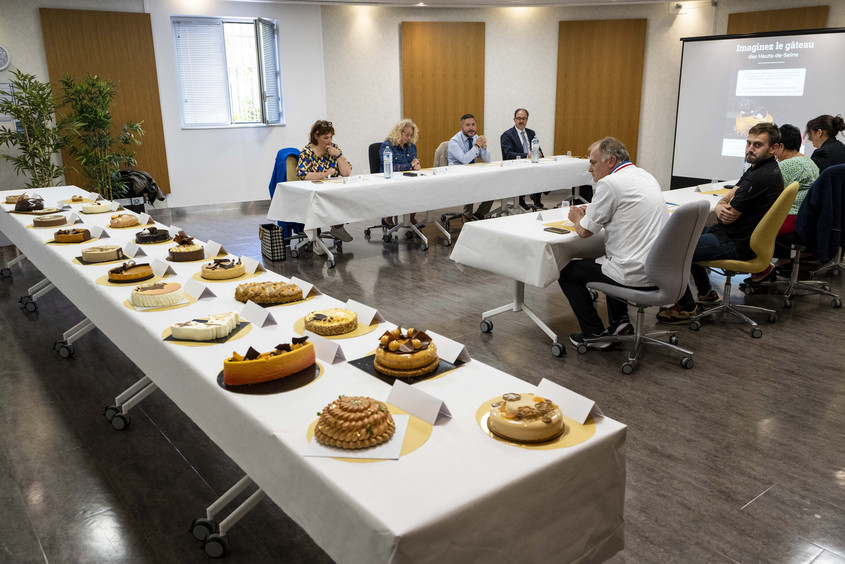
741, 459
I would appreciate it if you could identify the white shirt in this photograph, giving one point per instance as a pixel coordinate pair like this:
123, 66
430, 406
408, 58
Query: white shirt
628, 205
460, 155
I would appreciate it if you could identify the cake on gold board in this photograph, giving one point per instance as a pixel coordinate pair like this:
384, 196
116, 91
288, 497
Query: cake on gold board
101, 206
268, 292
223, 269
525, 418
102, 253
353, 422
13, 199
123, 220
255, 367
186, 250
407, 354
152, 235
131, 272
213, 326
49, 221
26, 204
330, 322
71, 235
157, 294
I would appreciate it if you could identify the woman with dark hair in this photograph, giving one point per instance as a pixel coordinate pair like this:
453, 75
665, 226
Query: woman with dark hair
322, 159
821, 132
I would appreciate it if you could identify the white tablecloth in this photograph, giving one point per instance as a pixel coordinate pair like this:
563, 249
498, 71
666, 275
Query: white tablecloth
519, 248
317, 204
451, 500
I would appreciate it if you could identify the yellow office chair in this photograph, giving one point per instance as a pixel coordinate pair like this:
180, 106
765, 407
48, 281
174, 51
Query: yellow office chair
763, 245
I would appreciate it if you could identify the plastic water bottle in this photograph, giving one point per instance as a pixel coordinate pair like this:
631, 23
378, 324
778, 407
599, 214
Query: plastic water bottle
535, 150
388, 163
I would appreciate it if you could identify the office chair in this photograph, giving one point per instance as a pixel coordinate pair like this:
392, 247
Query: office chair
763, 246
441, 158
667, 267
282, 171
299, 236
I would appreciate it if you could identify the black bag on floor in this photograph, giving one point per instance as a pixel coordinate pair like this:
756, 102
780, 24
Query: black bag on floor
272, 241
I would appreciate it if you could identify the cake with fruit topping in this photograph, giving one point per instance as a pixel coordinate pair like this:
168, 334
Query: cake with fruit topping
123, 220
101, 253
223, 269
152, 235
354, 422
329, 322
406, 354
215, 326
525, 418
71, 235
254, 367
186, 250
268, 292
96, 207
49, 221
131, 272
157, 294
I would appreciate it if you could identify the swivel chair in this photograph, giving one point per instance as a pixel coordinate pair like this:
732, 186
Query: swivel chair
763, 246
441, 158
299, 236
667, 267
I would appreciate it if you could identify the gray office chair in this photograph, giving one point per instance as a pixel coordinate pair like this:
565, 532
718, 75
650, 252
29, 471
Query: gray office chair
667, 267
441, 158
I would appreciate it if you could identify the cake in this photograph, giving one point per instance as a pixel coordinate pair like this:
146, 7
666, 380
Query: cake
152, 235
49, 221
101, 253
13, 199
268, 292
223, 269
71, 235
24, 203
406, 355
123, 220
96, 207
525, 418
354, 422
76, 199
215, 326
131, 272
157, 294
186, 250
255, 367
334, 321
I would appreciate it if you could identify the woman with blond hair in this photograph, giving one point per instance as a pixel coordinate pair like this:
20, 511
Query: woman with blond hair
401, 141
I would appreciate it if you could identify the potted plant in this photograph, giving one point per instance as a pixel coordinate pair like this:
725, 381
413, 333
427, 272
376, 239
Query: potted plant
100, 153
34, 137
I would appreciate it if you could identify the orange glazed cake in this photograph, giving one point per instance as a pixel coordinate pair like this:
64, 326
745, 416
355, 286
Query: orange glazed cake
406, 355
130, 272
71, 235
354, 422
268, 292
525, 418
255, 367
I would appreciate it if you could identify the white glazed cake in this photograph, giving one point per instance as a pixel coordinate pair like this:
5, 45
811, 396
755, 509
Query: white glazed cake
157, 294
96, 207
215, 326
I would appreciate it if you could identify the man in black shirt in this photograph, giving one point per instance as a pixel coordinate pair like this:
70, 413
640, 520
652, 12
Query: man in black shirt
737, 215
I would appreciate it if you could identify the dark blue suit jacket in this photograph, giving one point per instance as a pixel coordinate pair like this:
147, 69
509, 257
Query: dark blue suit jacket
512, 145
820, 217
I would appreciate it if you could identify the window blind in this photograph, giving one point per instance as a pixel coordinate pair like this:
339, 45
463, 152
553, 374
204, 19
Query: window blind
269, 64
203, 81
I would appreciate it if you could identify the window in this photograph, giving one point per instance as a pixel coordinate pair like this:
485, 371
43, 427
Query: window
228, 71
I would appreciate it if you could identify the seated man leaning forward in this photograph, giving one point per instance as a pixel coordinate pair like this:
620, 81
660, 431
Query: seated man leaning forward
737, 215
466, 147
629, 206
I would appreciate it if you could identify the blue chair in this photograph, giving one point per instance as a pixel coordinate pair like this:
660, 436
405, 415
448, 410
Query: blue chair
280, 174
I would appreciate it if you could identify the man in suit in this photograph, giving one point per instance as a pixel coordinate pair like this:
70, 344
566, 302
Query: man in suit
516, 143
467, 147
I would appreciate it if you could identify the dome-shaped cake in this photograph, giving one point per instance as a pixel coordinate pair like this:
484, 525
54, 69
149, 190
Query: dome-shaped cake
354, 422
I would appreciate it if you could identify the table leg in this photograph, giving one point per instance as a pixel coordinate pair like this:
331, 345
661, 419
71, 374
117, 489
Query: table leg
518, 304
315, 240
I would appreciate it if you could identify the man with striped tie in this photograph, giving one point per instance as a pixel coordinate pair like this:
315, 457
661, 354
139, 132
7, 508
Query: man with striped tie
467, 147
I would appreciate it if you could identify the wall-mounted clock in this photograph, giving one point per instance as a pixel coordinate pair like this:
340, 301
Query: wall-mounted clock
4, 58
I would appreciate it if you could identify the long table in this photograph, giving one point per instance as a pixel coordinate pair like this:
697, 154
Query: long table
451, 500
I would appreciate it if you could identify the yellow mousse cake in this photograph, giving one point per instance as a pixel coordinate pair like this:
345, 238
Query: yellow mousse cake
354, 422
525, 418
255, 367
157, 294
223, 269
123, 220
334, 321
406, 355
101, 253
268, 292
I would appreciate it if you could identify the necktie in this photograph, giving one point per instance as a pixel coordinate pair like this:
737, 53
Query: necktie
524, 142
469, 147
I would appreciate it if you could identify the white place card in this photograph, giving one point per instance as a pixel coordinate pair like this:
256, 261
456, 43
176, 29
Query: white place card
326, 350
98, 232
257, 315
132, 250
65, 207
417, 402
213, 248
385, 451
366, 314
162, 268
573, 405
114, 206
449, 350
144, 218
36, 196
96, 197
307, 288
197, 290
73, 218
251, 266
173, 230
554, 214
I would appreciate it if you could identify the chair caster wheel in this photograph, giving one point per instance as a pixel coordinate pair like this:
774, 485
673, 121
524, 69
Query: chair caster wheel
756, 333
338, 247
773, 317
694, 325
294, 253
6, 273
627, 368
331, 264
31, 306
673, 340
215, 545
424, 247
447, 243
836, 303
594, 294
110, 412
120, 421
787, 303
486, 326
367, 233
582, 348
826, 287
66, 351
409, 235
687, 362
558, 350
203, 528
387, 237
749, 290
